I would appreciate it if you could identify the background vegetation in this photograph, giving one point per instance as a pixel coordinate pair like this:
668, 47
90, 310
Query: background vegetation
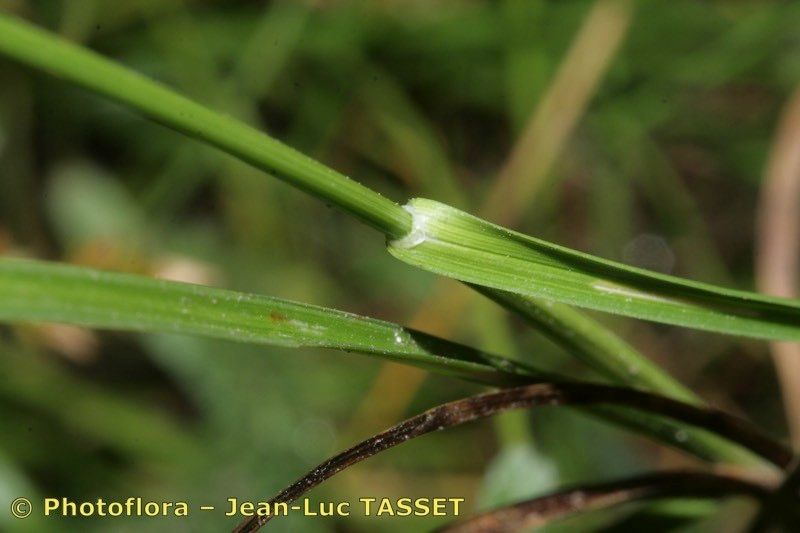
640, 132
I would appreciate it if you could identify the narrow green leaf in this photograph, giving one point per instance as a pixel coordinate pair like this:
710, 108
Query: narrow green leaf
456, 244
596, 346
43, 50
619, 362
40, 291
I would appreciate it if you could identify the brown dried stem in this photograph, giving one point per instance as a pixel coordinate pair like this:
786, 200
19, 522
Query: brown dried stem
545, 509
778, 251
540, 394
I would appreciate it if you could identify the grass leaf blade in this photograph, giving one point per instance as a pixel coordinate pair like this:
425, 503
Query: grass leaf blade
48, 52
619, 362
453, 243
51, 292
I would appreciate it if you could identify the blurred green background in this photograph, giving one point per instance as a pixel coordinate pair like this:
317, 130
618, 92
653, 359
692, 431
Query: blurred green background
639, 131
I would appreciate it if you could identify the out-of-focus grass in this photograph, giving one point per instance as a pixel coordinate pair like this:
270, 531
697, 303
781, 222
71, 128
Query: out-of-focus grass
427, 99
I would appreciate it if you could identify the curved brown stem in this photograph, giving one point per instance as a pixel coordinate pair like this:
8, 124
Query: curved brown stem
540, 394
545, 509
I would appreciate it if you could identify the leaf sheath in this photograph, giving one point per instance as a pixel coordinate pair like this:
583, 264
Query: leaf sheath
453, 243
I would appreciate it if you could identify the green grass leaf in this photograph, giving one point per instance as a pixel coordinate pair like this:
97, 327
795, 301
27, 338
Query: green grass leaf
40, 291
453, 243
594, 345
619, 362
45, 51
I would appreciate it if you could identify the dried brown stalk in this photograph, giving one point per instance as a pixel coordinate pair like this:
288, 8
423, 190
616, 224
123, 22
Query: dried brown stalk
543, 510
540, 394
778, 247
